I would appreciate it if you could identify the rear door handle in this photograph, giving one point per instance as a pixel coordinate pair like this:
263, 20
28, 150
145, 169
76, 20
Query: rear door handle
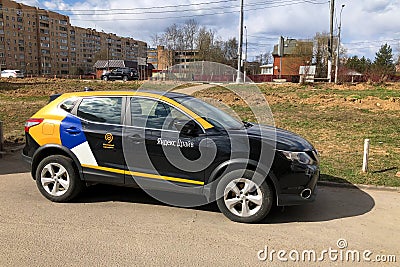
73, 130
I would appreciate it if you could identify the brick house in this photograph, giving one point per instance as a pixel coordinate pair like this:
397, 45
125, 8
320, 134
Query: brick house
296, 53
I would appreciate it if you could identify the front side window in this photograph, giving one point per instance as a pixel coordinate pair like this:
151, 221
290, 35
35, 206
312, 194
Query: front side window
210, 113
156, 114
101, 109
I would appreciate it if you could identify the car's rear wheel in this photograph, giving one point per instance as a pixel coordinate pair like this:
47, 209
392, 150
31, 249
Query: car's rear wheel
125, 78
244, 200
57, 179
105, 78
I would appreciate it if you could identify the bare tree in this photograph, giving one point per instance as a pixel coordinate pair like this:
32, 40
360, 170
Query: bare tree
172, 37
156, 39
321, 54
204, 43
190, 31
191, 36
230, 51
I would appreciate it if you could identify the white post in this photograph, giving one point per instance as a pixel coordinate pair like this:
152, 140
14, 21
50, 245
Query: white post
1, 138
240, 47
366, 155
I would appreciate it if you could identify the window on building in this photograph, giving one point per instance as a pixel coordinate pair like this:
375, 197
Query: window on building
43, 17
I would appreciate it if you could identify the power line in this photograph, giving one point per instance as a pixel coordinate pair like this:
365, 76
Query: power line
111, 11
187, 5
147, 8
373, 41
207, 14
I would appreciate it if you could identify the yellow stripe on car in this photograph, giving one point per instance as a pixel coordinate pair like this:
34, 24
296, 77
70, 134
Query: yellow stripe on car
145, 175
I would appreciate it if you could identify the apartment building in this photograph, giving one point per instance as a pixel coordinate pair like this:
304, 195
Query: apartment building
162, 58
39, 41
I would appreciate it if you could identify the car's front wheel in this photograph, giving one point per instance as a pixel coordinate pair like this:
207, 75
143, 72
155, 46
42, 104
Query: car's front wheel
244, 200
125, 78
57, 179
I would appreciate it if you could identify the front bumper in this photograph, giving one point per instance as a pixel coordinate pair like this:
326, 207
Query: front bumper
293, 196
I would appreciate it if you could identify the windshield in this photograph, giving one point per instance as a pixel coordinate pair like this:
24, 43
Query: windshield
210, 113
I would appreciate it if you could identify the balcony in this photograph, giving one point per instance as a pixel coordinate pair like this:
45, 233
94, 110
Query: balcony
44, 25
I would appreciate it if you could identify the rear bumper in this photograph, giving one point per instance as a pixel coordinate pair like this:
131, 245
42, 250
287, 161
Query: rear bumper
27, 159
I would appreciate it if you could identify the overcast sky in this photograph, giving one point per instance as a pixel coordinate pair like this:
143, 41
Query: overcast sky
366, 24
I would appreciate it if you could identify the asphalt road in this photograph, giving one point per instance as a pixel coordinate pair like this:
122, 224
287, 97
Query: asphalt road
110, 226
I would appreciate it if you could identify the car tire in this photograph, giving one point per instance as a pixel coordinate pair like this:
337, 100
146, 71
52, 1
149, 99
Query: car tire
58, 179
105, 78
243, 200
125, 78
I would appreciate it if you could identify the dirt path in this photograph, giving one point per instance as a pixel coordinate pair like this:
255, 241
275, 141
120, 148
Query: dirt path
194, 89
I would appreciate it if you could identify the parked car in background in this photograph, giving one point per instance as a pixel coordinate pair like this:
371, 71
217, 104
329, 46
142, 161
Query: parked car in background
12, 74
125, 74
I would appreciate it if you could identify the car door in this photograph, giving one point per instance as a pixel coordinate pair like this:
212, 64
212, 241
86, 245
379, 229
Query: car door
101, 119
114, 74
156, 146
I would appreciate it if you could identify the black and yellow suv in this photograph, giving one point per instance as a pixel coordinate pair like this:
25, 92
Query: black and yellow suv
168, 142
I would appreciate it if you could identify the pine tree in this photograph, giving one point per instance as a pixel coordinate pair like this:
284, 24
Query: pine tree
384, 63
361, 65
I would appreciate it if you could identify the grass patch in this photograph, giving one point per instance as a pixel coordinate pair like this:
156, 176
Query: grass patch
338, 131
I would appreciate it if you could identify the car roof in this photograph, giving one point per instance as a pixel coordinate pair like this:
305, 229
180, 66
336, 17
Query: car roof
171, 95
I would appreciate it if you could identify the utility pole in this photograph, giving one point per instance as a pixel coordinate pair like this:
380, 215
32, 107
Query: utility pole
330, 48
245, 59
240, 48
338, 47
108, 53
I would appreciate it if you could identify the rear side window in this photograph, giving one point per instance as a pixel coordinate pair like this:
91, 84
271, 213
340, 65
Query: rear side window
101, 109
69, 104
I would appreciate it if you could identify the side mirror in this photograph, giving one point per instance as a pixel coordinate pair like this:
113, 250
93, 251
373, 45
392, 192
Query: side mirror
189, 128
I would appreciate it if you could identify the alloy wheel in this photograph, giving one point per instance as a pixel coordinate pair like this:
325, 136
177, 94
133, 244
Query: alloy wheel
55, 179
243, 197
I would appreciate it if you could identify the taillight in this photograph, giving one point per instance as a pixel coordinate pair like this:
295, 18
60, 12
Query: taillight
32, 122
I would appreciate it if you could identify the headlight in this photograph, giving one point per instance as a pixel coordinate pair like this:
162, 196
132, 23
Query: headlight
301, 157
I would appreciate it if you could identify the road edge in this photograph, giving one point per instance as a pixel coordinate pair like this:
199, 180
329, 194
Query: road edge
359, 186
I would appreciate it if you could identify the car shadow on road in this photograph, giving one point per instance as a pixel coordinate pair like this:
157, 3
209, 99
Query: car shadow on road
12, 163
331, 203
110, 193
